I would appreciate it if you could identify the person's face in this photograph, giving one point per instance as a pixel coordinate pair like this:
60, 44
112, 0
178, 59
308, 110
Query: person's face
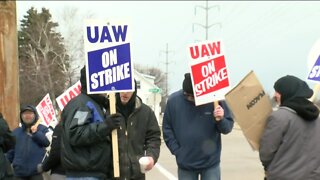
277, 97
190, 97
125, 97
28, 116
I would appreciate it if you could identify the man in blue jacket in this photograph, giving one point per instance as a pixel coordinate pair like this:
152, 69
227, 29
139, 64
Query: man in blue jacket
31, 143
192, 133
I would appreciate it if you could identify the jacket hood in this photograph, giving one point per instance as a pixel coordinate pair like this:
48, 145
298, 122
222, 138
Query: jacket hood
304, 108
30, 108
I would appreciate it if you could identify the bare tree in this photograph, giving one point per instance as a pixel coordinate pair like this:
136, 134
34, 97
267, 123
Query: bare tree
71, 27
42, 57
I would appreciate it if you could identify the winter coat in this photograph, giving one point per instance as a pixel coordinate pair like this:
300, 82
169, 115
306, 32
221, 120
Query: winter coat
30, 148
7, 142
192, 134
289, 146
139, 135
53, 162
85, 141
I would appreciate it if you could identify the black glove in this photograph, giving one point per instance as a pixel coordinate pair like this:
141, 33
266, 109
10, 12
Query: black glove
113, 121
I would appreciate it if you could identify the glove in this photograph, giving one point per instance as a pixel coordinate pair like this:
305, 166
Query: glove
113, 121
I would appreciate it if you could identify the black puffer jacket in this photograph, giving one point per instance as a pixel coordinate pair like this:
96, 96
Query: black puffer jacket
138, 134
85, 142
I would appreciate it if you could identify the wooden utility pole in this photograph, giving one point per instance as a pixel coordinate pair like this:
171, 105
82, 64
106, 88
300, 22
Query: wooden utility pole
9, 74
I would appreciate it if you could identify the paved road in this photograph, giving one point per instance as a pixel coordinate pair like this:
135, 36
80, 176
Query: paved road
238, 161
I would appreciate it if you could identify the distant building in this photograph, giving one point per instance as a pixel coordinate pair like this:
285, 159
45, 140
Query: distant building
149, 92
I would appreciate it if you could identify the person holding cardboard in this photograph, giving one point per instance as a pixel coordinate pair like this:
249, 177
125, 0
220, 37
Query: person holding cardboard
31, 143
86, 135
289, 145
193, 133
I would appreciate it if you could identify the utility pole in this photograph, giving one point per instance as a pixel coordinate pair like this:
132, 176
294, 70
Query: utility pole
206, 26
167, 65
9, 74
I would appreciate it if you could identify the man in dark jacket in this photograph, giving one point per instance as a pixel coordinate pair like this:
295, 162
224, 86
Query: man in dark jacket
289, 145
86, 129
53, 162
192, 133
31, 143
138, 136
7, 142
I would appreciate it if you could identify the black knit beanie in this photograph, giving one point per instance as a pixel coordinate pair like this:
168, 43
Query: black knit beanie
187, 84
291, 87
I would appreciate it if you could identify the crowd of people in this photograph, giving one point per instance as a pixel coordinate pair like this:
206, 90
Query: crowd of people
81, 144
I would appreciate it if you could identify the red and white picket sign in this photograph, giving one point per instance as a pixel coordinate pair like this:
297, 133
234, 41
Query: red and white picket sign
70, 93
46, 111
208, 70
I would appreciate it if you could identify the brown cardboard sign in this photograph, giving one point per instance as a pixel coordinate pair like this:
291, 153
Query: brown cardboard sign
251, 107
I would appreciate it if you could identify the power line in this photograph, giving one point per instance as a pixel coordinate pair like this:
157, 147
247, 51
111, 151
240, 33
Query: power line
206, 26
167, 65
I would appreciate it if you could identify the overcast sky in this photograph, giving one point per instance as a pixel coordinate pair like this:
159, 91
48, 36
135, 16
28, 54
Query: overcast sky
271, 38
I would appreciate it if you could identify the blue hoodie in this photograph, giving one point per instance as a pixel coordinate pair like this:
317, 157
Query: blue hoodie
30, 147
192, 134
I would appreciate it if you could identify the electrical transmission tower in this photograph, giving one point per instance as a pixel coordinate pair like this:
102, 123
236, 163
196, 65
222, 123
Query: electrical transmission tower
206, 26
166, 73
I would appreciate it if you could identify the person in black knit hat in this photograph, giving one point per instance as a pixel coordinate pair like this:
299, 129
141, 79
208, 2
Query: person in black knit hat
193, 133
289, 146
86, 135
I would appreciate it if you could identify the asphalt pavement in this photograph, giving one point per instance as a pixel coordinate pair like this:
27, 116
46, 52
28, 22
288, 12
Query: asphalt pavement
238, 161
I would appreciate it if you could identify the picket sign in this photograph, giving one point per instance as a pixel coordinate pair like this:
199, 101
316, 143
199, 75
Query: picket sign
46, 111
314, 68
69, 94
209, 73
112, 100
108, 65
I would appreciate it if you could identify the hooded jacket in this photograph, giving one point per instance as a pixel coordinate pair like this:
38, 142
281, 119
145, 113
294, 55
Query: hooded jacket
289, 146
30, 148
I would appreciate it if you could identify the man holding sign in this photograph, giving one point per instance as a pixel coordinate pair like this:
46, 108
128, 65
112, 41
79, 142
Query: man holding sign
86, 135
139, 136
192, 133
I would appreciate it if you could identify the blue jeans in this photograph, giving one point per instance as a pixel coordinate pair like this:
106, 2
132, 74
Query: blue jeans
82, 178
212, 173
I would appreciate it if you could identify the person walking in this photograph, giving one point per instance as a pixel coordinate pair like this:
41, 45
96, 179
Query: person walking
86, 136
138, 136
193, 133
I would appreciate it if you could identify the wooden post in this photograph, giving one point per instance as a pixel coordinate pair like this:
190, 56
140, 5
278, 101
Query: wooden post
9, 64
115, 152
215, 104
